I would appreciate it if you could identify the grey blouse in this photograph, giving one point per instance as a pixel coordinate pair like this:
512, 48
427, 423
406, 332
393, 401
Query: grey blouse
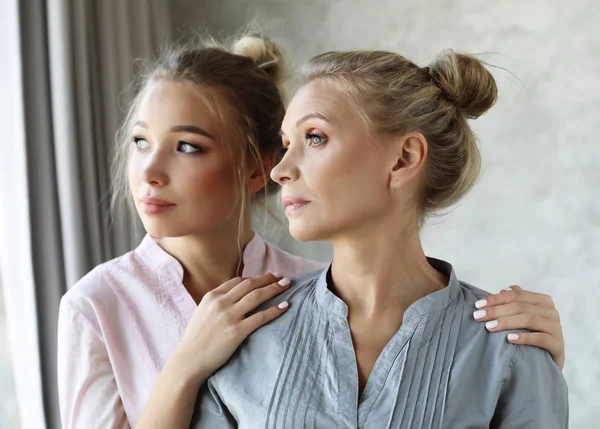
442, 369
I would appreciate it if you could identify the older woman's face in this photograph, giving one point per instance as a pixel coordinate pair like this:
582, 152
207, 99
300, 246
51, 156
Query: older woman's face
335, 177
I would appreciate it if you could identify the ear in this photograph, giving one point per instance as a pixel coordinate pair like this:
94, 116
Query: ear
410, 152
258, 177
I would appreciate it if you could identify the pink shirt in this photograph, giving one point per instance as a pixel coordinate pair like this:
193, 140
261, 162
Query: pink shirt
119, 324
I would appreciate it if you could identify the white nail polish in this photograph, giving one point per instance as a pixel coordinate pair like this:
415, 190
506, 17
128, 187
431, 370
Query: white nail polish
508, 289
284, 282
277, 274
479, 314
512, 337
491, 325
481, 303
283, 305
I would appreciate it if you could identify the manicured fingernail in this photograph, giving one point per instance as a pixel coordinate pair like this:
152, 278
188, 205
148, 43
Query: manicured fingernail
284, 282
508, 289
479, 314
481, 303
284, 305
491, 325
277, 274
512, 337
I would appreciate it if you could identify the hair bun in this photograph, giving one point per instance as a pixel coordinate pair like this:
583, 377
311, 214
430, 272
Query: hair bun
464, 81
264, 53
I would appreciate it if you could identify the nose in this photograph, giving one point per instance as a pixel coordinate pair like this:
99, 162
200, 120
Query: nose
287, 169
154, 170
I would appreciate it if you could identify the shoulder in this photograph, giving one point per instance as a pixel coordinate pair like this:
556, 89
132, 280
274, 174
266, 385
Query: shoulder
305, 283
100, 287
466, 298
263, 351
492, 349
515, 385
301, 286
476, 346
471, 293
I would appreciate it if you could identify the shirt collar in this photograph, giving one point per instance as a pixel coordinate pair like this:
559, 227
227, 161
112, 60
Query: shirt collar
428, 304
155, 256
253, 256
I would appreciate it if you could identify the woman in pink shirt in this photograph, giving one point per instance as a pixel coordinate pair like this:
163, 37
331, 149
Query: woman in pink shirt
139, 334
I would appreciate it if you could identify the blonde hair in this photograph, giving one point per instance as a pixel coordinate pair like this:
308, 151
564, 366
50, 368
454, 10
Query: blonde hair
395, 96
247, 74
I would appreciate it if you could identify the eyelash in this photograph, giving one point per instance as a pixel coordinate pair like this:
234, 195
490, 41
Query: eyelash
137, 140
310, 136
307, 136
197, 149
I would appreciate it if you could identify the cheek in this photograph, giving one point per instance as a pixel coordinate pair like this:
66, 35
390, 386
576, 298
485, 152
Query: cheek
133, 173
214, 181
350, 180
330, 171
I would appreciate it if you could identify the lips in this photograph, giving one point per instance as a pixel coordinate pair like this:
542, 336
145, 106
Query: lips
152, 206
156, 201
293, 204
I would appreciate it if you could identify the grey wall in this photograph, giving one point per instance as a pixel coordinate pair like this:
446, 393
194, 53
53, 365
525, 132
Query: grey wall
534, 217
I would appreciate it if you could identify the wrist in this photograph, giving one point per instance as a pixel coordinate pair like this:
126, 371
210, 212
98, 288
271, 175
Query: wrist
182, 367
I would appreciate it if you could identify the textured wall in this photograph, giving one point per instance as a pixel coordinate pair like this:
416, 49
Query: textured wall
534, 217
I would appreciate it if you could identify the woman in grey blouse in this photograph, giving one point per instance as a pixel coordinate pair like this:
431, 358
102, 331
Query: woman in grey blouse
384, 337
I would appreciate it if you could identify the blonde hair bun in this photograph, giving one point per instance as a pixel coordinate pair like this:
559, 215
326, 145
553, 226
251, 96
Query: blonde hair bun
264, 53
464, 81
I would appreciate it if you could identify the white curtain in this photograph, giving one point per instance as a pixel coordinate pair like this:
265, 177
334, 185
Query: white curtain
64, 81
92, 45
15, 244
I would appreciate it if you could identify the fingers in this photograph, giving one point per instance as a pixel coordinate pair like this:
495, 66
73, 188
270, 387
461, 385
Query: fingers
252, 323
524, 321
516, 294
228, 285
520, 309
484, 314
541, 340
257, 296
244, 287
234, 299
521, 316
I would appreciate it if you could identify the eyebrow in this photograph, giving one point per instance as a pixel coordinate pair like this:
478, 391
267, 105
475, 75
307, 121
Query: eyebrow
182, 129
310, 116
306, 118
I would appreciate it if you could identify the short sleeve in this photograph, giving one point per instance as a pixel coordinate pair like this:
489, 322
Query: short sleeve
88, 393
534, 393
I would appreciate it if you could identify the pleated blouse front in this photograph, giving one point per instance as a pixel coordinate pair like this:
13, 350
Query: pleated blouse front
441, 369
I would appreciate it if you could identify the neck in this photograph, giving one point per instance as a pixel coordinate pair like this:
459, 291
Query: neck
209, 259
376, 272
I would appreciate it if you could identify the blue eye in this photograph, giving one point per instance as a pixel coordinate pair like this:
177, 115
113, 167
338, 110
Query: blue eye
185, 147
140, 143
315, 139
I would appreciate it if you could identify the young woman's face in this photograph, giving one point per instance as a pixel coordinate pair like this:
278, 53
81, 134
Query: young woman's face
334, 176
180, 174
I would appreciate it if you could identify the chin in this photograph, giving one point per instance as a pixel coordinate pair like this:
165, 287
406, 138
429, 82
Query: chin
164, 229
304, 233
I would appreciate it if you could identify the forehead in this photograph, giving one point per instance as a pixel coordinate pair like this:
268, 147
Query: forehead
322, 97
177, 103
